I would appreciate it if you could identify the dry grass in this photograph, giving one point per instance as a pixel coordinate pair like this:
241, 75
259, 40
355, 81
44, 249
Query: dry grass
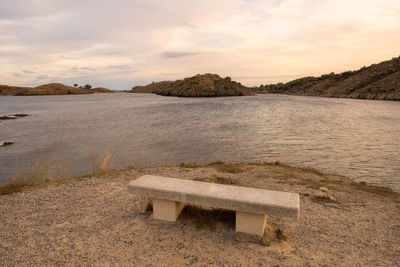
225, 167
378, 190
292, 169
191, 165
101, 162
15, 184
37, 172
217, 180
44, 171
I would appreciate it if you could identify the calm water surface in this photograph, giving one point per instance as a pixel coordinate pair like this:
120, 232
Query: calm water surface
356, 138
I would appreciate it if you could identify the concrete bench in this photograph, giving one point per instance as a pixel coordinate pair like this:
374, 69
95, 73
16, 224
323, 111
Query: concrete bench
251, 204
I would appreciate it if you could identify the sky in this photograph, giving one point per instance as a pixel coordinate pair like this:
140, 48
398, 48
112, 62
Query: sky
122, 43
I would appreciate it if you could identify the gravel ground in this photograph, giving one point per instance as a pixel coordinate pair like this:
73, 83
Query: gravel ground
95, 221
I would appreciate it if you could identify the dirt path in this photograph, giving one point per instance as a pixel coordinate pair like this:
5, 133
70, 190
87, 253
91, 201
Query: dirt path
95, 221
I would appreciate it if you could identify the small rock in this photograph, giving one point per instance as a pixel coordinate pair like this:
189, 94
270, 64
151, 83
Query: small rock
13, 116
324, 189
331, 197
324, 192
7, 143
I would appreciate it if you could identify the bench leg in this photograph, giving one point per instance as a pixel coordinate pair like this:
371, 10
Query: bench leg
166, 210
250, 223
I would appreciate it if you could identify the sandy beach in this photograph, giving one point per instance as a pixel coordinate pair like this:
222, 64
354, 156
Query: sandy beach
95, 221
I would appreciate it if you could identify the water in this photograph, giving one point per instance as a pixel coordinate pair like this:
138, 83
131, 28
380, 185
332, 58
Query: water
356, 138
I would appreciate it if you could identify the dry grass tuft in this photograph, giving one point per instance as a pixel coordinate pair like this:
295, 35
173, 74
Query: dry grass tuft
15, 184
101, 162
272, 235
378, 190
217, 180
227, 168
293, 169
37, 172
274, 163
191, 165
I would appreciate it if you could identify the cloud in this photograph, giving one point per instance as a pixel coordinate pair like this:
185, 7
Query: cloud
256, 41
172, 54
42, 77
121, 67
88, 68
28, 71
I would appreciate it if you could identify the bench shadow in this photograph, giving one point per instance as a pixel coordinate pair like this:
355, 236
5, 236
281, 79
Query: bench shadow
203, 217
211, 218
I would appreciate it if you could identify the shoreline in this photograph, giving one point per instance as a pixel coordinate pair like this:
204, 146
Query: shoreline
255, 94
94, 220
30, 183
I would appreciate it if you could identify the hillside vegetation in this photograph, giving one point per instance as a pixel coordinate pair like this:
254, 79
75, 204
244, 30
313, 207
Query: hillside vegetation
378, 81
49, 89
201, 85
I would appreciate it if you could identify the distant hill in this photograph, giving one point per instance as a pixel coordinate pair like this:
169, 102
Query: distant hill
102, 90
378, 81
201, 85
49, 89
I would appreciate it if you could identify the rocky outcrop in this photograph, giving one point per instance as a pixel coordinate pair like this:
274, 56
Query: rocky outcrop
12, 117
378, 81
7, 143
206, 85
49, 89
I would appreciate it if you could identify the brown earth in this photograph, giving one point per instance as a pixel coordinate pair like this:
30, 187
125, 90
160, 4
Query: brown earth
48, 89
95, 221
205, 85
378, 81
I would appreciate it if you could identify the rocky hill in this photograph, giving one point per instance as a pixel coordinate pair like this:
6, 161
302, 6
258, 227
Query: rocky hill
102, 90
49, 89
378, 81
201, 85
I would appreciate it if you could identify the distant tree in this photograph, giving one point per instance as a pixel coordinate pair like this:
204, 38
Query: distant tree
87, 86
75, 85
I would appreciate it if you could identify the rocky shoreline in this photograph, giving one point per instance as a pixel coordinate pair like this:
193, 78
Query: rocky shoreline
12, 117
7, 143
95, 221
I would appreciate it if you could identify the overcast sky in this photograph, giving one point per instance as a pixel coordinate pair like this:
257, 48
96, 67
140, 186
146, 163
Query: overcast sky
121, 43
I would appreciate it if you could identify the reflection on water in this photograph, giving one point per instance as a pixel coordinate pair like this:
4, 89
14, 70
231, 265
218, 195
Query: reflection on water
357, 138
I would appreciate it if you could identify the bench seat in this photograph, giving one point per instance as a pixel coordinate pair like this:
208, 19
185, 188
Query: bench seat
251, 204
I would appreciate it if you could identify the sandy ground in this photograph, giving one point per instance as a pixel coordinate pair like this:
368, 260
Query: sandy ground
95, 221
